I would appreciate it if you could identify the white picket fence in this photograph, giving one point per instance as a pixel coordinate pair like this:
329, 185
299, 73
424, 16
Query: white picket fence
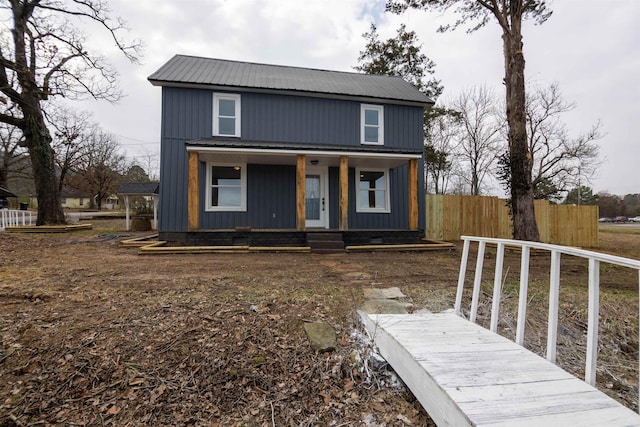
556, 251
14, 218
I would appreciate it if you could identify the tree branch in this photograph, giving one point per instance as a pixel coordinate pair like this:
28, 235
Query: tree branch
95, 13
13, 121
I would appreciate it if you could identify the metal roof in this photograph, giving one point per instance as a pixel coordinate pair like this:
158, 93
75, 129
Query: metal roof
138, 188
182, 70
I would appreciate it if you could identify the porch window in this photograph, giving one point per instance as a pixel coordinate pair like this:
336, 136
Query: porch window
227, 187
372, 124
226, 114
373, 190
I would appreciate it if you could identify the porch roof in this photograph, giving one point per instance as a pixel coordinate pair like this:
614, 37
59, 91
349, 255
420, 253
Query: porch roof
139, 188
268, 152
6, 193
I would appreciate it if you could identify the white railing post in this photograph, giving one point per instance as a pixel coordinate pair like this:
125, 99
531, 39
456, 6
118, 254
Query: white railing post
522, 297
477, 281
595, 259
463, 269
497, 288
554, 292
592, 322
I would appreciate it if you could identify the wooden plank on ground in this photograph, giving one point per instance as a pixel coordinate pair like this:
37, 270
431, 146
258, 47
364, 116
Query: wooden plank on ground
465, 375
48, 228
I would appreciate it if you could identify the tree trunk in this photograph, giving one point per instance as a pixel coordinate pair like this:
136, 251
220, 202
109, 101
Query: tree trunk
36, 134
4, 173
38, 142
522, 208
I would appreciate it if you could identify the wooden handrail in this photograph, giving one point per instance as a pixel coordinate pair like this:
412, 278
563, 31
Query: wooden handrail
594, 258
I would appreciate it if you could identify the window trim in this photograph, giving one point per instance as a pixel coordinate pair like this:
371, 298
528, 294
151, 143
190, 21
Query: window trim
243, 189
387, 186
380, 110
216, 108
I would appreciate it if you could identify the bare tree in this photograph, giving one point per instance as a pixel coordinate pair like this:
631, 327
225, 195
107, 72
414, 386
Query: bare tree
150, 162
12, 155
558, 158
42, 56
508, 14
440, 150
71, 131
100, 168
479, 142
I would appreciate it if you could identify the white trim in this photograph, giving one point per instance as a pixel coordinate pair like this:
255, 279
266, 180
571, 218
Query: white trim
234, 97
380, 110
243, 189
306, 152
387, 207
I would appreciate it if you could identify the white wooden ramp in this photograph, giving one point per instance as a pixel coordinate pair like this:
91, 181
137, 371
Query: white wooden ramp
465, 375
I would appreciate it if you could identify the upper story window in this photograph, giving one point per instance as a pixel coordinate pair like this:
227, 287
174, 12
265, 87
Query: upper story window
227, 189
372, 124
226, 114
373, 190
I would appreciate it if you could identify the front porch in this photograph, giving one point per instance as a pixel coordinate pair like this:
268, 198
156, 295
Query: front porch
296, 187
314, 241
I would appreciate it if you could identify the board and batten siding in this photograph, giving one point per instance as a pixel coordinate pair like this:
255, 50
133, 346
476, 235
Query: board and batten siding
173, 185
187, 114
398, 218
298, 119
271, 200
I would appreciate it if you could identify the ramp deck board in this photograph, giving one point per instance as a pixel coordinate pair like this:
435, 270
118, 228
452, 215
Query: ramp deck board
465, 375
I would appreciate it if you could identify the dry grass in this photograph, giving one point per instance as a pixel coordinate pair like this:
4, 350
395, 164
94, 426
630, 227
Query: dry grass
93, 334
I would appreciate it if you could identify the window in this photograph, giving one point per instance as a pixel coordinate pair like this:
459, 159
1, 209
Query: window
373, 190
227, 187
372, 124
226, 115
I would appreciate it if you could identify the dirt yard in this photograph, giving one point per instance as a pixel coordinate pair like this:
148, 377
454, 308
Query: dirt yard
93, 334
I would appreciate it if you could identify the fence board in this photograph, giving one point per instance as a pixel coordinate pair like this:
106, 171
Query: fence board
451, 216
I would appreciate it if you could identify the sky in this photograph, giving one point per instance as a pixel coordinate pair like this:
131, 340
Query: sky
591, 48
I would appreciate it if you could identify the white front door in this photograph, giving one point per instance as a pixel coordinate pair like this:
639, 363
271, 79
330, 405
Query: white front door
316, 197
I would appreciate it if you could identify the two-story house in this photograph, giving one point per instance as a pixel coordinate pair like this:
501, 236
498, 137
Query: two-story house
264, 155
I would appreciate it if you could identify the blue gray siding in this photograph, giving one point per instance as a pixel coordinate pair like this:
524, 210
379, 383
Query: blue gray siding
271, 200
188, 114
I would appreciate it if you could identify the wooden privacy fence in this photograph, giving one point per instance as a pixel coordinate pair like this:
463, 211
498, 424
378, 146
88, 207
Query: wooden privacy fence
451, 216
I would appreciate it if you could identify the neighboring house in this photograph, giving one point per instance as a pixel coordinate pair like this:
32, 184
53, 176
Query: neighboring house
258, 154
74, 199
79, 199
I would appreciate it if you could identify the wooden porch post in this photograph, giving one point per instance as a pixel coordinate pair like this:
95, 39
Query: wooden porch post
413, 193
301, 187
344, 193
193, 202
